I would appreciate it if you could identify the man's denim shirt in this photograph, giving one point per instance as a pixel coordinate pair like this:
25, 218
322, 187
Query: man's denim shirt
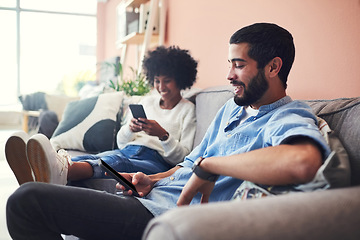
274, 124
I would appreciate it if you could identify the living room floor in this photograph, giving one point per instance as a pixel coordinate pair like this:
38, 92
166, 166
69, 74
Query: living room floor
8, 183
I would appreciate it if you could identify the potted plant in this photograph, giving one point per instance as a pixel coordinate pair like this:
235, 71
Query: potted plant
134, 86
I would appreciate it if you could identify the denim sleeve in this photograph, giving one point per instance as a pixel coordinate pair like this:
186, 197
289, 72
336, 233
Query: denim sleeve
293, 123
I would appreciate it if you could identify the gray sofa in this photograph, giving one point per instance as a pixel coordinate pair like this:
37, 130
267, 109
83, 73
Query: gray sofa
330, 214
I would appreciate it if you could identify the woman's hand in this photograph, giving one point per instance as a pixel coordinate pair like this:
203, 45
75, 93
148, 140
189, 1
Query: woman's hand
141, 181
150, 127
192, 187
134, 125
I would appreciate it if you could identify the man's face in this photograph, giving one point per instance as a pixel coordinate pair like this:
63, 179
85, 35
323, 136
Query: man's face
249, 82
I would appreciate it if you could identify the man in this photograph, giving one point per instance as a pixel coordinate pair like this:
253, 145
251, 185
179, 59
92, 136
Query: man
260, 136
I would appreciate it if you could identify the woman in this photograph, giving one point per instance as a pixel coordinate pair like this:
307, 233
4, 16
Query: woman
148, 145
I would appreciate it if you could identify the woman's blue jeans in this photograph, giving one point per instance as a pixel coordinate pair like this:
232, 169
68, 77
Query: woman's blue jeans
132, 158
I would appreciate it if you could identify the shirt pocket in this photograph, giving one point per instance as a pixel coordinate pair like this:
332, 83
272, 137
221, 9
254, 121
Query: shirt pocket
235, 141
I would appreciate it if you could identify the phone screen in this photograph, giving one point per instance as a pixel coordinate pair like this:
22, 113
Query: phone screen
137, 110
128, 185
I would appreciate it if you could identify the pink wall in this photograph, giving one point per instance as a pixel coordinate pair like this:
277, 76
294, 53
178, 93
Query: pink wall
106, 16
106, 40
326, 33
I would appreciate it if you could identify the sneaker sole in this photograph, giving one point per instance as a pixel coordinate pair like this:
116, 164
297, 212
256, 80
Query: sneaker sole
15, 152
38, 160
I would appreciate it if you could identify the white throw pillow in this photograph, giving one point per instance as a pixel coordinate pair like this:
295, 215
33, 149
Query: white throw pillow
90, 124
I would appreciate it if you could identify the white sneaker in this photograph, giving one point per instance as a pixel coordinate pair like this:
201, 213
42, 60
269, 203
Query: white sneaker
47, 164
15, 152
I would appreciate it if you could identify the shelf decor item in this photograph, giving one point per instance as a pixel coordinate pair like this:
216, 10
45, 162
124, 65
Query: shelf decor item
133, 20
127, 21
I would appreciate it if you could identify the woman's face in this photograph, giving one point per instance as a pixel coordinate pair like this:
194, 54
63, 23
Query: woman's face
166, 87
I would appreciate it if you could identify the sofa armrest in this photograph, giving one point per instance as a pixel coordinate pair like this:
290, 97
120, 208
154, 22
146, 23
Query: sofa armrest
331, 214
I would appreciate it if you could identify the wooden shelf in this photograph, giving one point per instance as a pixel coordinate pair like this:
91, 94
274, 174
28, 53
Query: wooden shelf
138, 38
148, 38
135, 3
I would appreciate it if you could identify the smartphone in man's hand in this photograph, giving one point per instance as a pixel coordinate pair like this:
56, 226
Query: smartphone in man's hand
117, 176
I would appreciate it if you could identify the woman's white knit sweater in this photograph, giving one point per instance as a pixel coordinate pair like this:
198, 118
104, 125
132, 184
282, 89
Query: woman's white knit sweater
179, 122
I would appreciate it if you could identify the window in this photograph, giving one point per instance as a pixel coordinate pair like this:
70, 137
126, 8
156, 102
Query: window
8, 73
47, 46
8, 3
69, 6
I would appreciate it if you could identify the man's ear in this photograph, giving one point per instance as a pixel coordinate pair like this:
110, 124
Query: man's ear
275, 65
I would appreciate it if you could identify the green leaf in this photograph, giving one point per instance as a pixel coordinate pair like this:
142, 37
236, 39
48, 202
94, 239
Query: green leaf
136, 85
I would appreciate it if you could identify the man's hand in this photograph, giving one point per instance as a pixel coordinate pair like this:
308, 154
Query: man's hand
141, 181
192, 187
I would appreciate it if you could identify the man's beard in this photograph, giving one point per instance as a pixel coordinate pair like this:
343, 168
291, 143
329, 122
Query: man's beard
254, 91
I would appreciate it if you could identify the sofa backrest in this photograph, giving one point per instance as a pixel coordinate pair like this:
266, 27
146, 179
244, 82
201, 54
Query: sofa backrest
208, 102
342, 115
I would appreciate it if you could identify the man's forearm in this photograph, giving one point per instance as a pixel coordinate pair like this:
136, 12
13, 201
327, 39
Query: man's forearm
280, 165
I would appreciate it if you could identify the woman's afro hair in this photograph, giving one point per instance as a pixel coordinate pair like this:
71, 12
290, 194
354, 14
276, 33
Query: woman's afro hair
171, 62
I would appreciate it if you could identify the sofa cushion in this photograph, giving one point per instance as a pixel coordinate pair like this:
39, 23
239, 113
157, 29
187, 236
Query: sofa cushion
343, 117
208, 102
89, 124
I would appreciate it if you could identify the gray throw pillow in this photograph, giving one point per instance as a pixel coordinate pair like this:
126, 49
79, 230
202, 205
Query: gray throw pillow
89, 124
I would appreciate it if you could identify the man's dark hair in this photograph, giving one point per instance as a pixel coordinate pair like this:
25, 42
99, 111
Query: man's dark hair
267, 41
171, 62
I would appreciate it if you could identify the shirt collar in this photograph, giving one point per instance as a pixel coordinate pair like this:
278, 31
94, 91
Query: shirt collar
268, 108
238, 113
